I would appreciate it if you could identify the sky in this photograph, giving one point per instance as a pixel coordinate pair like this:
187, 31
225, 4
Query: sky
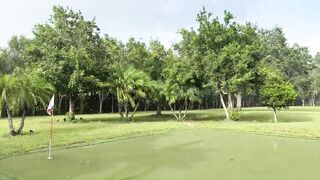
162, 19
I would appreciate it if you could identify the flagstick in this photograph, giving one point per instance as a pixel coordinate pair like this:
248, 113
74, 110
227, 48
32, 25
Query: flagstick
50, 141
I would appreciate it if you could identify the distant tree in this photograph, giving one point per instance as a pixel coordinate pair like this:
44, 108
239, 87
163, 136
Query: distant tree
15, 55
315, 79
294, 63
136, 54
154, 67
276, 93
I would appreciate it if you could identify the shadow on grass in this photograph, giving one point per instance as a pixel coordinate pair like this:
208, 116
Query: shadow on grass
148, 117
139, 118
208, 115
267, 116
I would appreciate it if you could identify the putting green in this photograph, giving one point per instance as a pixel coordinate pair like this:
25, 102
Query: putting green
192, 154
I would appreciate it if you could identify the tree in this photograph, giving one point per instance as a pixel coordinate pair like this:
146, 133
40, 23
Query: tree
276, 93
315, 79
179, 87
154, 68
129, 85
226, 54
68, 49
15, 55
114, 57
136, 54
294, 63
22, 90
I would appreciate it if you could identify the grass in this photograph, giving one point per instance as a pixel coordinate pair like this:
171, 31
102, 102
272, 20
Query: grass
300, 122
190, 154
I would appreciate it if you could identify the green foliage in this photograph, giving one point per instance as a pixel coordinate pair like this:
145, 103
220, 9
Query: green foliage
130, 84
220, 56
276, 93
70, 117
24, 88
68, 49
235, 115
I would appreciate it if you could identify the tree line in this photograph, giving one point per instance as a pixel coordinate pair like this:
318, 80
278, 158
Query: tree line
219, 63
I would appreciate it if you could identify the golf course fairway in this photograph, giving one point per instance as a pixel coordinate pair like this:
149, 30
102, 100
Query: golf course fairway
189, 154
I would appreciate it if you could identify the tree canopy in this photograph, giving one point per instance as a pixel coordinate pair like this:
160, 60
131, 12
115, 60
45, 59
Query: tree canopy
218, 63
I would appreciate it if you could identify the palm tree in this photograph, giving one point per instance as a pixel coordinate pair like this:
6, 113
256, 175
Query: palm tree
157, 96
129, 85
20, 91
180, 95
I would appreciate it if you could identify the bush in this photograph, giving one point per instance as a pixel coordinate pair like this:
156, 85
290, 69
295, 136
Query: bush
235, 115
71, 118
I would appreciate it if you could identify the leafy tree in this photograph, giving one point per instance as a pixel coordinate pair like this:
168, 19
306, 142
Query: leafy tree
154, 67
15, 55
294, 63
22, 90
315, 78
136, 54
276, 93
68, 48
129, 85
226, 55
179, 87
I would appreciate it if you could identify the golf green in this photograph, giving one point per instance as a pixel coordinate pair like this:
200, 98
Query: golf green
190, 154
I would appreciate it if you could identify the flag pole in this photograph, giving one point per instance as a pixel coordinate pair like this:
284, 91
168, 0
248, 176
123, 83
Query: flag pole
50, 141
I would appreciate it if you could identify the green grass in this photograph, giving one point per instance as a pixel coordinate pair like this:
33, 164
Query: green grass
6, 176
189, 154
167, 156
301, 122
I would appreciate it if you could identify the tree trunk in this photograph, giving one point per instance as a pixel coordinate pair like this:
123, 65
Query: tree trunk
59, 103
185, 108
302, 102
224, 106
82, 104
23, 117
101, 98
12, 132
230, 102
173, 112
239, 101
207, 104
112, 104
134, 110
313, 101
191, 106
146, 104
71, 105
126, 110
275, 116
159, 109
120, 109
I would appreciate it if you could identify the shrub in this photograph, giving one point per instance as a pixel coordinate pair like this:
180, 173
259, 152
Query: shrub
235, 115
70, 117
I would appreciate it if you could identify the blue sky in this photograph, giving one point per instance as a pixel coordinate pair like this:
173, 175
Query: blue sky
161, 19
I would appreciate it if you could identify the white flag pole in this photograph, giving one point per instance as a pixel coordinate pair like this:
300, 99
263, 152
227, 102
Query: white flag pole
50, 141
51, 106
